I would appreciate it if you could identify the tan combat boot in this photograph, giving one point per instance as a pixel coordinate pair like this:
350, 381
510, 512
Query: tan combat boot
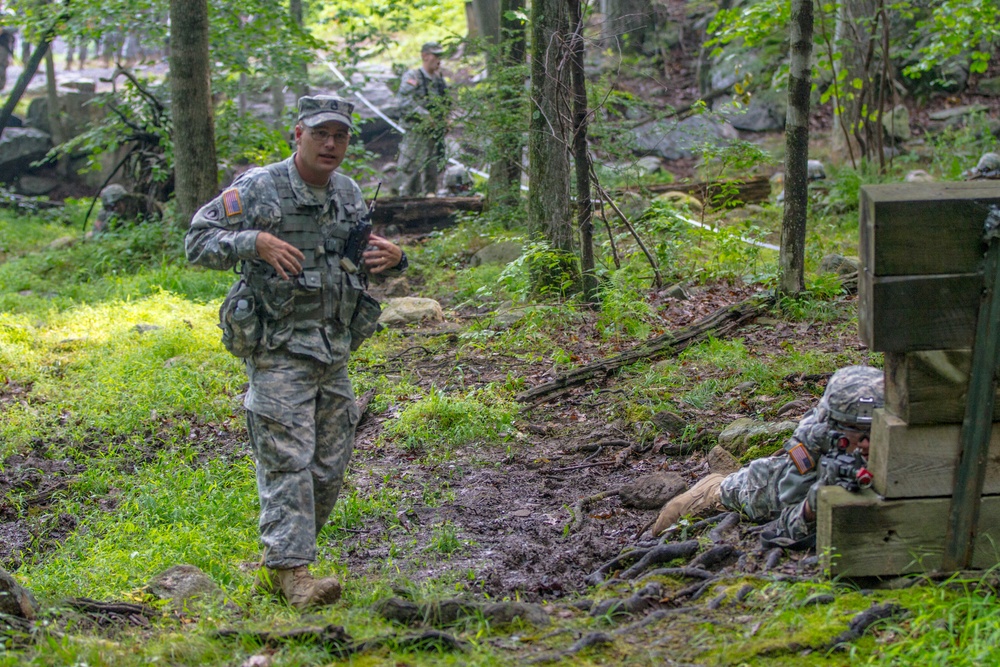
301, 590
702, 497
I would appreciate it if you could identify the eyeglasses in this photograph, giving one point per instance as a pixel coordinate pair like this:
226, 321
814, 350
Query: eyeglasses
323, 136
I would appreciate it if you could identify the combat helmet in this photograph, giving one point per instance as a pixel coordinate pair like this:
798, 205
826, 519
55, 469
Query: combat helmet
852, 394
457, 179
988, 165
112, 194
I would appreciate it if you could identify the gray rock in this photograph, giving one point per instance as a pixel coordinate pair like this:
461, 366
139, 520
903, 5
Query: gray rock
501, 252
651, 492
722, 462
503, 613
764, 113
406, 310
669, 422
839, 264
990, 86
19, 147
15, 600
897, 123
35, 186
62, 243
677, 140
649, 164
918, 176
677, 292
396, 287
745, 432
957, 112
184, 584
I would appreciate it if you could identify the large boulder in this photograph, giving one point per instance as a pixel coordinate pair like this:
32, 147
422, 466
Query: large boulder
410, 309
651, 492
675, 140
897, 123
764, 113
19, 147
502, 252
184, 585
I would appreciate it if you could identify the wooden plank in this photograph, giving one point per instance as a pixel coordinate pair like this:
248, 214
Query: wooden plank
924, 228
929, 387
977, 427
908, 461
414, 211
907, 313
862, 535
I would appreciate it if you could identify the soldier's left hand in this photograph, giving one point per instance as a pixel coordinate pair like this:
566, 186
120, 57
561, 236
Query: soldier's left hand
381, 254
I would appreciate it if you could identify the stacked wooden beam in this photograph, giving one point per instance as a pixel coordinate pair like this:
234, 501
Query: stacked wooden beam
920, 290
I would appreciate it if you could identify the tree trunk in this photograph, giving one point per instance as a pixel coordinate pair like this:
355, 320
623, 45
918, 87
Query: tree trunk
626, 23
504, 186
55, 118
791, 257
30, 67
195, 168
295, 9
581, 154
548, 155
470, 21
278, 102
855, 40
488, 17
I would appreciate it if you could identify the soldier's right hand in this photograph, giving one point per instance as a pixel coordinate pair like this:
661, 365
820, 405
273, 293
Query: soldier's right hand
284, 257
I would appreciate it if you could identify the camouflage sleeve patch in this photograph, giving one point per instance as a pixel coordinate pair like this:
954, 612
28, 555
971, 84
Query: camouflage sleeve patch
213, 211
801, 458
232, 203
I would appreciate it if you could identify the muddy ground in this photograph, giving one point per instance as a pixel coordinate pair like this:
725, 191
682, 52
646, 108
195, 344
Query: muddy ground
511, 507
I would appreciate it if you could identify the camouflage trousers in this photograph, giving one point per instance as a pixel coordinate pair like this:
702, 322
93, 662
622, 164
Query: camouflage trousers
753, 491
420, 158
301, 415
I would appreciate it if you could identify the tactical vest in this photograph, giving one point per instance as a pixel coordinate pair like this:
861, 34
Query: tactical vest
323, 291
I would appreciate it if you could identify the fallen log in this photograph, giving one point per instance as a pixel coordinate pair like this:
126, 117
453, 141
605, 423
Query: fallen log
415, 212
718, 194
720, 323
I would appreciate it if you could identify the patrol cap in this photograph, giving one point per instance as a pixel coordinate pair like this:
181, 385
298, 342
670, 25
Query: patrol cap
318, 109
432, 47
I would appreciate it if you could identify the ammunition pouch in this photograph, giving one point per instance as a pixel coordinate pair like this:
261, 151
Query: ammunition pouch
365, 321
240, 320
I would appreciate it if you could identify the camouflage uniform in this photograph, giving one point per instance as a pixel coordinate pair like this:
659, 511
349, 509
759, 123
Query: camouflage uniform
423, 105
778, 489
301, 411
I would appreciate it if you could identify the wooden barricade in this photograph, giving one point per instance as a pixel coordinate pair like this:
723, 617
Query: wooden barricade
921, 291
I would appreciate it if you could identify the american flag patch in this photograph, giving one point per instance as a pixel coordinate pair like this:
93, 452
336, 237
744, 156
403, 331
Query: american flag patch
231, 201
800, 457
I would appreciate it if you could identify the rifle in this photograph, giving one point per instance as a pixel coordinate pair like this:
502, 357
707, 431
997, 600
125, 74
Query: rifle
849, 471
357, 240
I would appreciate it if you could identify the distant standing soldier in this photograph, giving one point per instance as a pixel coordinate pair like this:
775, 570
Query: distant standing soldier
6, 53
424, 107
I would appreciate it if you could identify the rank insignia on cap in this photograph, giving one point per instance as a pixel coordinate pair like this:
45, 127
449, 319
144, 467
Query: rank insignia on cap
231, 202
801, 458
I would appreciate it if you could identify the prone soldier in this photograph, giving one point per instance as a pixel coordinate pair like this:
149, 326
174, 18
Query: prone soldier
829, 446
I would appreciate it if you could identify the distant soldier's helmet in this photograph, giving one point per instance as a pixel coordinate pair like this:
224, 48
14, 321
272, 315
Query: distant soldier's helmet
852, 394
988, 163
112, 194
456, 178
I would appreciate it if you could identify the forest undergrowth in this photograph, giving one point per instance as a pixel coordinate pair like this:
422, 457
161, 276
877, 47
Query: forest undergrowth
475, 527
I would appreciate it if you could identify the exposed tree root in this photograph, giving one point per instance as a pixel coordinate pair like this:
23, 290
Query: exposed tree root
587, 641
582, 505
661, 554
335, 640
728, 522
